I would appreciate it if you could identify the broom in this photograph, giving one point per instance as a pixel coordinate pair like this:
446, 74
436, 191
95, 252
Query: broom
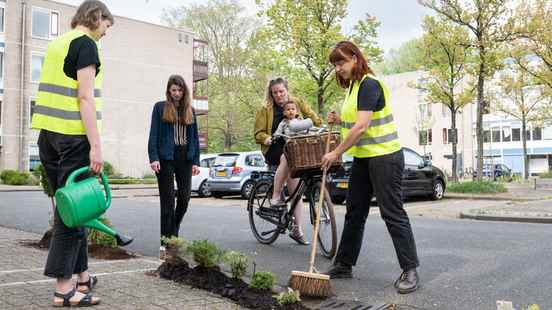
312, 283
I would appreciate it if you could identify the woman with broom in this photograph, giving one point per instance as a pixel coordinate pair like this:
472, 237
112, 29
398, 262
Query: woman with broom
370, 135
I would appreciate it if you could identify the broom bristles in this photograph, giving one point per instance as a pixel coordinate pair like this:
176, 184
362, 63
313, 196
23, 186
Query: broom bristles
310, 284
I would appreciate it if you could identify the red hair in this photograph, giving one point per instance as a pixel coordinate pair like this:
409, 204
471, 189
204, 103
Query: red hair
344, 51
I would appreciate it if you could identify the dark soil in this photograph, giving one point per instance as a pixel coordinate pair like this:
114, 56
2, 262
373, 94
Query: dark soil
109, 253
215, 281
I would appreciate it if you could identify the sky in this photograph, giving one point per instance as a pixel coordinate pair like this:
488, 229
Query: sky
400, 19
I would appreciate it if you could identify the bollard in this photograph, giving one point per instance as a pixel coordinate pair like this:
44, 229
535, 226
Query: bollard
535, 183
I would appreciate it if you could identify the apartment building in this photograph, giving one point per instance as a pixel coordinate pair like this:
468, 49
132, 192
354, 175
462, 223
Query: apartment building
138, 58
426, 129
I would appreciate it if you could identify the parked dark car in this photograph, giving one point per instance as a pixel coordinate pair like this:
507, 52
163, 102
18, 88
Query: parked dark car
499, 171
420, 178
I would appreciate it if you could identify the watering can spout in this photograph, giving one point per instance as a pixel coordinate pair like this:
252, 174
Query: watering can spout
122, 240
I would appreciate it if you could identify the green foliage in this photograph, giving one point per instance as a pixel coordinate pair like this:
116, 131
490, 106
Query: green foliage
132, 181
238, 263
40, 173
205, 253
101, 238
547, 175
13, 177
408, 57
289, 297
174, 242
108, 169
149, 176
474, 187
263, 280
532, 307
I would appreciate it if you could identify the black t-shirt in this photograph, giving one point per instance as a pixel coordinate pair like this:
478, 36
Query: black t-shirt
83, 52
278, 117
370, 96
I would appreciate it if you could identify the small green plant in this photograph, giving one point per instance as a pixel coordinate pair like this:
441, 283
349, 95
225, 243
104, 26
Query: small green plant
263, 280
108, 169
173, 242
149, 176
101, 238
532, 307
237, 262
205, 253
13, 177
474, 187
288, 298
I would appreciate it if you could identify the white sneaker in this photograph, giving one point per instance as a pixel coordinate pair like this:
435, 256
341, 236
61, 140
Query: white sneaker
162, 253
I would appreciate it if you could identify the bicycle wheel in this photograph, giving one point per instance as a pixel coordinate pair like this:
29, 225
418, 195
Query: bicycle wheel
263, 225
327, 230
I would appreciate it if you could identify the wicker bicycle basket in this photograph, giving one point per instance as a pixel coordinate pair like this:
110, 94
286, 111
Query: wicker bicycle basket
304, 153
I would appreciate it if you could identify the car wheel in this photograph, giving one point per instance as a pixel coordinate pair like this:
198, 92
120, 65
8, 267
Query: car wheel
216, 194
438, 190
338, 199
203, 190
247, 188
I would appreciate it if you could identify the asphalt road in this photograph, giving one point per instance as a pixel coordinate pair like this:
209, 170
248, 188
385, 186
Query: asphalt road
464, 264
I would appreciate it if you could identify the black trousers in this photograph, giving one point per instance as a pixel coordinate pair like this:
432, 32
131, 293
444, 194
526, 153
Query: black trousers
62, 154
381, 176
181, 168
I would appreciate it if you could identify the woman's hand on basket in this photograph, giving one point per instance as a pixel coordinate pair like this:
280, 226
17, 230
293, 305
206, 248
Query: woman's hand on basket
328, 159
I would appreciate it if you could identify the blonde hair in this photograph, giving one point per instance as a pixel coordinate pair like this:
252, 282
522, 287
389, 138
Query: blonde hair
89, 13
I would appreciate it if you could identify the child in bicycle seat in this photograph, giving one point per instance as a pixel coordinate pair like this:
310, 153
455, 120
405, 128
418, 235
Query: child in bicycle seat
291, 125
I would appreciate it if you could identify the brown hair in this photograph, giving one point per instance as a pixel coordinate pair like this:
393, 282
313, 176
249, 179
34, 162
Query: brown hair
185, 112
291, 102
344, 51
272, 83
89, 13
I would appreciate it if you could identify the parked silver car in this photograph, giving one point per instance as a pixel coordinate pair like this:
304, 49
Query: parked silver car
230, 174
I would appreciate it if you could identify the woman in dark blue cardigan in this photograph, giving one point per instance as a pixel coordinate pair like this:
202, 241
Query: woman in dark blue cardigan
173, 149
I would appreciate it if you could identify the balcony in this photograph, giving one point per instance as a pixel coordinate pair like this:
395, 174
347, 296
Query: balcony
201, 70
203, 140
201, 106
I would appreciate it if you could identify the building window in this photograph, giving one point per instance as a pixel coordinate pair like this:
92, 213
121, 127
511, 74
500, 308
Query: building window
45, 23
528, 134
36, 67
32, 105
547, 132
537, 134
1, 70
445, 110
486, 136
445, 136
200, 89
425, 137
516, 134
2, 10
495, 134
506, 134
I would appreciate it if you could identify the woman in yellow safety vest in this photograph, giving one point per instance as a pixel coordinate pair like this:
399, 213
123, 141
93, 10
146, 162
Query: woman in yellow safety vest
370, 136
68, 115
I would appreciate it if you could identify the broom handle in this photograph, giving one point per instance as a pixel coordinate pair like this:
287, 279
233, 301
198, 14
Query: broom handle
319, 206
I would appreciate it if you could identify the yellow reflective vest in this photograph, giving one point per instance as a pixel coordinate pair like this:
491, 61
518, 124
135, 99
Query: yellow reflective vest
57, 106
381, 137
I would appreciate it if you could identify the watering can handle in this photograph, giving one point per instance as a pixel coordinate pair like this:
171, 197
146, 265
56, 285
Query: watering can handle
76, 173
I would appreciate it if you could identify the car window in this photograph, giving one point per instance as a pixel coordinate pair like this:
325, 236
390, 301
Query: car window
211, 161
227, 160
254, 160
204, 163
412, 159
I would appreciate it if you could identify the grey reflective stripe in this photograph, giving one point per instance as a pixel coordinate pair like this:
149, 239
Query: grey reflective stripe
64, 91
375, 122
378, 140
67, 115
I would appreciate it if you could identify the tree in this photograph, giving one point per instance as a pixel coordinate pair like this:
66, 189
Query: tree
408, 57
306, 31
491, 25
230, 36
446, 61
524, 99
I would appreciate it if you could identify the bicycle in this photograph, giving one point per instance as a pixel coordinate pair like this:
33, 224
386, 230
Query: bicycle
267, 222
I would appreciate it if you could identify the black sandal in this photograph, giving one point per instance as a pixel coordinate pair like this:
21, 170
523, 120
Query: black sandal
86, 301
90, 284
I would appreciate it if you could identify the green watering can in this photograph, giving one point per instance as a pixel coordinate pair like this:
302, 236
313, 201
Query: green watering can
82, 203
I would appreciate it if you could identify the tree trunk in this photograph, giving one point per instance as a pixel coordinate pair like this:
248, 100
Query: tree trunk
320, 97
479, 124
524, 143
454, 144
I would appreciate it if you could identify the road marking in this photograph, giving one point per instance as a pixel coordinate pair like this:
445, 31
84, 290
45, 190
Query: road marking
93, 264
53, 280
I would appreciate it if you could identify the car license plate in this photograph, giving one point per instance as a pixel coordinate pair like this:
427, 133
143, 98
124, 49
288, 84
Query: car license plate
343, 185
221, 173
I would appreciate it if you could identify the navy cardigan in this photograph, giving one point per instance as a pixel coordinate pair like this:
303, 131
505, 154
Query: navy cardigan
161, 138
